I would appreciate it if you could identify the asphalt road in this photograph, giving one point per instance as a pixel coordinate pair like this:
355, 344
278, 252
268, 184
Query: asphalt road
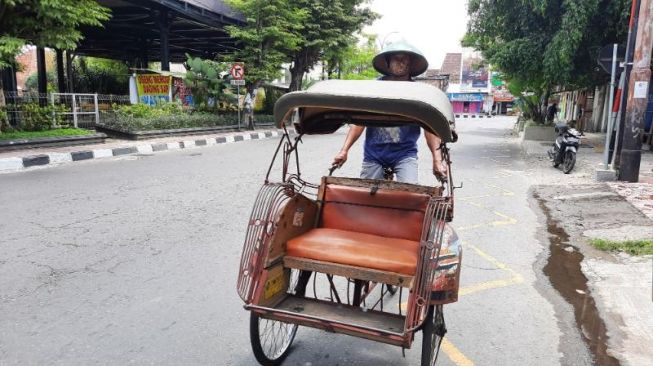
134, 260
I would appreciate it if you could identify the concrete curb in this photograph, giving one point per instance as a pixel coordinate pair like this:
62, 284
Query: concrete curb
19, 163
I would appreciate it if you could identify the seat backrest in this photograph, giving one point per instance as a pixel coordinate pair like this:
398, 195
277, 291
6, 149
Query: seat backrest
384, 212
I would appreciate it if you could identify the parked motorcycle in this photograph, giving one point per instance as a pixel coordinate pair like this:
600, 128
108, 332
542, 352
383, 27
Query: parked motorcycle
565, 148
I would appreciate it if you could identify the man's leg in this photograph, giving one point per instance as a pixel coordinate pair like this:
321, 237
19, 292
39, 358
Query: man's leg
371, 170
406, 170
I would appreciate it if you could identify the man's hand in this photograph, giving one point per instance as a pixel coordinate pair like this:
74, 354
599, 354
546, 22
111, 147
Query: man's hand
440, 170
340, 158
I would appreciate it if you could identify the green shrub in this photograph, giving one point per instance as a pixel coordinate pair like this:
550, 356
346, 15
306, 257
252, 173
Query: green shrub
140, 110
34, 117
129, 123
4, 120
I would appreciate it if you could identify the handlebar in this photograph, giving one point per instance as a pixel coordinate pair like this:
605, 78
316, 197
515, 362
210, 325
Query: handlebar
333, 168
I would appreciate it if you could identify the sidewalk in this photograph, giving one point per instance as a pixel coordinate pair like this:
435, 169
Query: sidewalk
619, 284
19, 160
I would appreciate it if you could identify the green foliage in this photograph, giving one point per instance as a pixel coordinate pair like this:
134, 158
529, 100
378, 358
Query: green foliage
52, 23
31, 84
354, 62
329, 29
90, 75
271, 35
102, 76
633, 247
548, 43
34, 117
271, 97
4, 120
185, 120
141, 110
204, 79
48, 133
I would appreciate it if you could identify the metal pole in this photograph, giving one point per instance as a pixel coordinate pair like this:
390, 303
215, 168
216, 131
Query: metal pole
238, 104
608, 135
617, 118
54, 116
637, 95
97, 111
74, 111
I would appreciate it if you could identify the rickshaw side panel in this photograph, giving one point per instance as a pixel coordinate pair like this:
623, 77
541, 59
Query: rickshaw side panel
297, 217
275, 281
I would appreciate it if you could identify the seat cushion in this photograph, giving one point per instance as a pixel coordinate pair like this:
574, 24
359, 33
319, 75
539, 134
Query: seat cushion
356, 249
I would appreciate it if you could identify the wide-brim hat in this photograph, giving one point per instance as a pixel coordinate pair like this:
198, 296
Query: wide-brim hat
418, 63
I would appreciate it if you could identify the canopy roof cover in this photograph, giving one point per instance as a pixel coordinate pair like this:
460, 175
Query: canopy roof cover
327, 105
136, 28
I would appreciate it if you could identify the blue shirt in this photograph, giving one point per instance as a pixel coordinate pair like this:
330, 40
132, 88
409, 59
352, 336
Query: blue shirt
389, 145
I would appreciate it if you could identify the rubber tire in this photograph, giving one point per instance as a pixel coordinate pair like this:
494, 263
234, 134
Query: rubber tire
255, 340
568, 161
429, 330
554, 157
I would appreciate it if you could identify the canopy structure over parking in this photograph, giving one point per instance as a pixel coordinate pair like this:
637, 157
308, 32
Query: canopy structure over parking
161, 30
142, 31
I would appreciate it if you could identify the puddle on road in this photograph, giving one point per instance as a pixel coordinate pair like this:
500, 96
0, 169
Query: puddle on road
564, 272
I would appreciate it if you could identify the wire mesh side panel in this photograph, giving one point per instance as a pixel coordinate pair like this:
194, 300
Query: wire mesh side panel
15, 106
262, 223
432, 235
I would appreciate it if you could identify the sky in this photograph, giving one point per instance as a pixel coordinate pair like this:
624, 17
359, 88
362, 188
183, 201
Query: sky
435, 27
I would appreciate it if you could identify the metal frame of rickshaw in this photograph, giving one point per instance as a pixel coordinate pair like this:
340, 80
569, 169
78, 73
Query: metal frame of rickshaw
436, 279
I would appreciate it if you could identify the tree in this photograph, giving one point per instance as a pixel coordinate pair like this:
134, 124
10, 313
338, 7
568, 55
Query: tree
271, 34
97, 75
330, 27
353, 62
51, 23
542, 44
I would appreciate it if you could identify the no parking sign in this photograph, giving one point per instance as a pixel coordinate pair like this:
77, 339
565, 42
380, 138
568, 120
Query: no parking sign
237, 71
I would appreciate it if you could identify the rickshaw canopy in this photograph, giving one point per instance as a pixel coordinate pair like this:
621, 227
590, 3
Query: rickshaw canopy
326, 106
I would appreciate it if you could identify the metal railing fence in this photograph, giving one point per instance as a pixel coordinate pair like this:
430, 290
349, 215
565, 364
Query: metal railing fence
81, 110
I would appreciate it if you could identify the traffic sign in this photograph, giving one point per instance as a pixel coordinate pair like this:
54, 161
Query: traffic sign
604, 58
237, 71
238, 82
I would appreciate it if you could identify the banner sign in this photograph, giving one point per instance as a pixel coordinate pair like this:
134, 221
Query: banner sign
180, 92
153, 87
465, 97
475, 75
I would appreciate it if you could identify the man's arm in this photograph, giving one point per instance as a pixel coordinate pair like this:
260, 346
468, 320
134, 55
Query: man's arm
352, 136
439, 166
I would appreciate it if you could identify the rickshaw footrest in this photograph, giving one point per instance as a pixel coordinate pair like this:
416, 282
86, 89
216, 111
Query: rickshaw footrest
340, 318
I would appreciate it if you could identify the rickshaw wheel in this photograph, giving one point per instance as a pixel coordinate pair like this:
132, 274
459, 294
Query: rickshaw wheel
271, 339
432, 334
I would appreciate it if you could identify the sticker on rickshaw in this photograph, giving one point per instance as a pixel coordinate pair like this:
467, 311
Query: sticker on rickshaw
298, 219
274, 285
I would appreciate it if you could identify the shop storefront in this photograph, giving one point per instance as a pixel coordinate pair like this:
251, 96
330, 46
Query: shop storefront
471, 103
503, 103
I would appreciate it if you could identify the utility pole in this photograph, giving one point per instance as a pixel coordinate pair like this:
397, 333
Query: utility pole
631, 153
628, 62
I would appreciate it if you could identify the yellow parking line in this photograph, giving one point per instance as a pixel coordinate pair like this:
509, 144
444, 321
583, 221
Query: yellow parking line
467, 290
454, 354
491, 259
505, 192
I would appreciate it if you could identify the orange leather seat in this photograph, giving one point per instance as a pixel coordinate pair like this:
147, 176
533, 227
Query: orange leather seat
356, 249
